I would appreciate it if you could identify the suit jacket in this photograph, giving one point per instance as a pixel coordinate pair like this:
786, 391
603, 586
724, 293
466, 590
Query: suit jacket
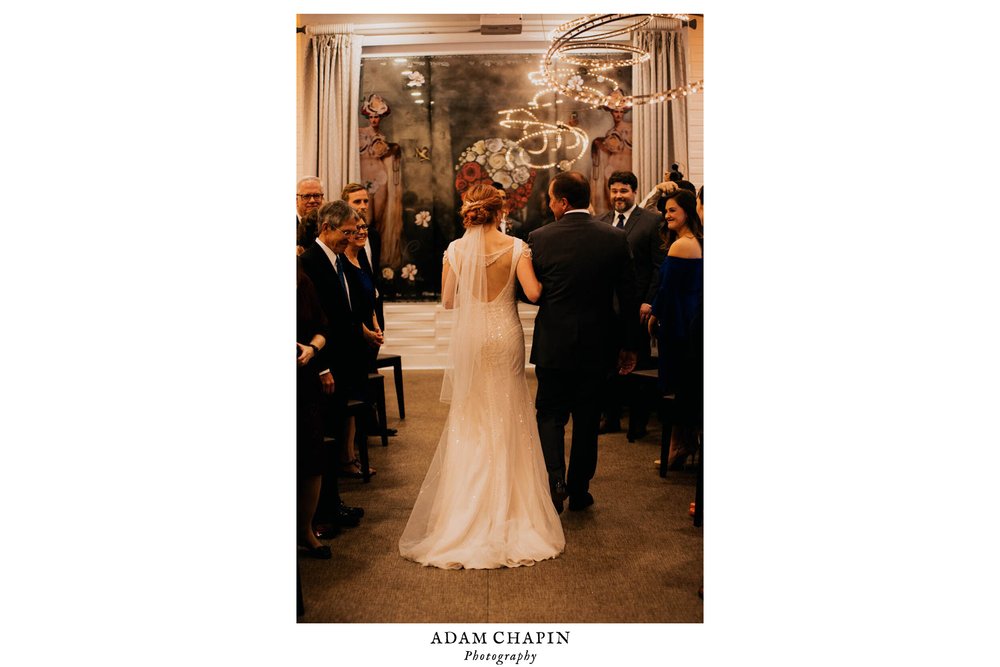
642, 229
583, 265
375, 241
375, 270
345, 343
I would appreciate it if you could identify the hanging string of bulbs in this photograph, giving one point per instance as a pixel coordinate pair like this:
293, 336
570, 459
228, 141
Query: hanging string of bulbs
593, 33
585, 43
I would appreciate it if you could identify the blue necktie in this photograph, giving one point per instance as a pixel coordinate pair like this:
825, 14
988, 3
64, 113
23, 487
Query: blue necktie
621, 221
343, 279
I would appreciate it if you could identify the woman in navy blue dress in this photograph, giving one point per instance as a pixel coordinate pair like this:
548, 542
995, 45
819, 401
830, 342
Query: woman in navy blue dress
363, 300
677, 317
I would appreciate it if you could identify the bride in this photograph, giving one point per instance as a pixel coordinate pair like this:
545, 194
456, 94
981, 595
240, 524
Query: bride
485, 501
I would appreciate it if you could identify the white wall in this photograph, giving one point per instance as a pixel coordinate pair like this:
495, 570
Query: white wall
696, 106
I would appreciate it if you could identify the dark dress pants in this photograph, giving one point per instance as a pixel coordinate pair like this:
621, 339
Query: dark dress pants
561, 394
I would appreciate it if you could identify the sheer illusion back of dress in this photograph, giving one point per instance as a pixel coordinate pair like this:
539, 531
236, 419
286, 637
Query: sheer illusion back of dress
485, 501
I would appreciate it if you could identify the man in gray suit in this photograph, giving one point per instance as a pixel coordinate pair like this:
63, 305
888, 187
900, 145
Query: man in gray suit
584, 267
641, 227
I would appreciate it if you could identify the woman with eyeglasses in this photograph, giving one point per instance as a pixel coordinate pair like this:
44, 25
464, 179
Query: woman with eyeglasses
363, 299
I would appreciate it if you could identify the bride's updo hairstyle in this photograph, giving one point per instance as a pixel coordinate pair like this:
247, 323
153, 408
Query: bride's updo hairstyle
481, 206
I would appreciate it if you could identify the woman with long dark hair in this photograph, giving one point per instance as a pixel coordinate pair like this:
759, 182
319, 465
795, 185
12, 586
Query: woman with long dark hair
676, 319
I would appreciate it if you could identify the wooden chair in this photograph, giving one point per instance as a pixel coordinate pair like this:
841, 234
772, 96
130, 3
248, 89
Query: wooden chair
396, 362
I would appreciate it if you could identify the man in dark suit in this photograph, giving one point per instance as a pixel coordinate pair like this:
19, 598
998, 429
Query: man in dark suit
642, 230
308, 197
340, 366
583, 265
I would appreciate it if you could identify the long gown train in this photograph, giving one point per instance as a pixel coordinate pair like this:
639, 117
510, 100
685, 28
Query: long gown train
485, 501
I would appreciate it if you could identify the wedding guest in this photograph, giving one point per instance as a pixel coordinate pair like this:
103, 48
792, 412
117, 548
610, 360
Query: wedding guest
363, 298
357, 197
641, 227
342, 368
672, 180
307, 231
676, 320
308, 197
310, 329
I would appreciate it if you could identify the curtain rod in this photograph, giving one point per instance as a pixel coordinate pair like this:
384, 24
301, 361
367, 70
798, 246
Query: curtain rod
693, 24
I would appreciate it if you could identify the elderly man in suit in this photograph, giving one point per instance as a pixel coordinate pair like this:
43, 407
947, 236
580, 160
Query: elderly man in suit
641, 227
584, 265
308, 197
340, 366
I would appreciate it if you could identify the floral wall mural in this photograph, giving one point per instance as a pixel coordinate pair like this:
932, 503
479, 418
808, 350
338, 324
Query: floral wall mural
430, 130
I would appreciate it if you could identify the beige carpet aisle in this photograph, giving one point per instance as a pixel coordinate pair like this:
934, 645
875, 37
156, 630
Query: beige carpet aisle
632, 557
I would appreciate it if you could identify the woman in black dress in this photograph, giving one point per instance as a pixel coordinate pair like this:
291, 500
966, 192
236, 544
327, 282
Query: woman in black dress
363, 300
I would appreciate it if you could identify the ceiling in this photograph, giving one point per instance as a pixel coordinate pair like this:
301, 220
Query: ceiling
440, 34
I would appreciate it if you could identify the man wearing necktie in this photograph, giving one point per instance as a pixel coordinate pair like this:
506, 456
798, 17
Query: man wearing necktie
341, 362
642, 230
308, 198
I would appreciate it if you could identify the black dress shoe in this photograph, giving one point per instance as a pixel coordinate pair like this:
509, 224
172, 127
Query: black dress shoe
322, 552
580, 502
635, 435
353, 511
606, 426
345, 519
558, 491
391, 432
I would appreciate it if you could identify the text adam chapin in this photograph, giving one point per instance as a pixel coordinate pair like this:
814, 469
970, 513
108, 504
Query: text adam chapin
501, 638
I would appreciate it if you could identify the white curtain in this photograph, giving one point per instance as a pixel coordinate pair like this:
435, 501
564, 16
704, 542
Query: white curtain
659, 131
329, 118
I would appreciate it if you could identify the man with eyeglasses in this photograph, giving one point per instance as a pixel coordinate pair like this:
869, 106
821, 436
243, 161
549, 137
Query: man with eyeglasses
308, 197
341, 361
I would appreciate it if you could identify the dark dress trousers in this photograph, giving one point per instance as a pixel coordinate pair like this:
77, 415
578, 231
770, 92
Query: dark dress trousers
642, 230
584, 265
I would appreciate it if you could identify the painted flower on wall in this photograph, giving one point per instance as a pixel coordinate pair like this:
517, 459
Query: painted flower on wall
423, 219
485, 161
409, 272
416, 79
388, 274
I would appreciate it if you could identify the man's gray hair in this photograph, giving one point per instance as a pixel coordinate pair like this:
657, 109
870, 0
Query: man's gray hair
334, 214
307, 179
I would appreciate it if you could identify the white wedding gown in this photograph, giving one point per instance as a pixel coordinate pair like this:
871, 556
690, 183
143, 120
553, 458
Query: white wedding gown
485, 501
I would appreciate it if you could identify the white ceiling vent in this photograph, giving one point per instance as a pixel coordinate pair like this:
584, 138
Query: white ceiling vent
500, 24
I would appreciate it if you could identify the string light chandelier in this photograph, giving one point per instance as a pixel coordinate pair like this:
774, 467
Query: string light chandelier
592, 35
538, 137
584, 43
